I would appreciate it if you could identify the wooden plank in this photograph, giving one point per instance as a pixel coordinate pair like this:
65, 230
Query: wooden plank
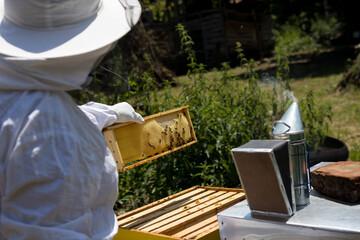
197, 220
187, 212
139, 235
195, 227
183, 198
238, 190
114, 148
183, 209
166, 212
202, 212
211, 234
211, 227
187, 114
190, 214
126, 215
153, 116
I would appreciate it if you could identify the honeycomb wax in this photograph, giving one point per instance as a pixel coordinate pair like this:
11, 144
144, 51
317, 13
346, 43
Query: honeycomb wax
153, 137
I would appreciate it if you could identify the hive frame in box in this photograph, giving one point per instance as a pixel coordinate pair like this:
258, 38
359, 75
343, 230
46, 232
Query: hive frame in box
134, 131
190, 214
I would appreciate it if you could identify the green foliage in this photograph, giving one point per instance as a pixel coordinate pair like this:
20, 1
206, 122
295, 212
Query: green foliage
187, 44
156, 8
352, 77
290, 39
324, 30
355, 152
316, 119
224, 113
297, 37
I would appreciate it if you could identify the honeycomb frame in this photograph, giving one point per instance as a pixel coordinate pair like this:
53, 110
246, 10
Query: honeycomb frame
133, 144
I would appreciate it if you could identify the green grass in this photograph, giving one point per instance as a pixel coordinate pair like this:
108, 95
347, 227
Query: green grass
345, 124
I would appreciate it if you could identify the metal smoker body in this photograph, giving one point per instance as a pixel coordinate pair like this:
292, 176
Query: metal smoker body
290, 128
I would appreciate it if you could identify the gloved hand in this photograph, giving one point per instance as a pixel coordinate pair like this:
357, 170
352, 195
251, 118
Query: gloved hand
126, 113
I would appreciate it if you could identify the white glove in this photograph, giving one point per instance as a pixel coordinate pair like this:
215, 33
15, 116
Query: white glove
126, 113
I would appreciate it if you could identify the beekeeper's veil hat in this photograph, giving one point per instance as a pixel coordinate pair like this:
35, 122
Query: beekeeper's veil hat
34, 29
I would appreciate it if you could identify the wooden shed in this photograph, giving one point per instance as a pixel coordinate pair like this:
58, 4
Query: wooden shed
215, 31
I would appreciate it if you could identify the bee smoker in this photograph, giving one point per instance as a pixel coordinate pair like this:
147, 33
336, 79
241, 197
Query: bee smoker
290, 128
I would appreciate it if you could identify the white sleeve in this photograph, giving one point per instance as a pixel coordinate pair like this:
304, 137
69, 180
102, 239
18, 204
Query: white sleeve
103, 115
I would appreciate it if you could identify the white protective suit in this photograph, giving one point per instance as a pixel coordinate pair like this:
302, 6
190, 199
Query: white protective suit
57, 178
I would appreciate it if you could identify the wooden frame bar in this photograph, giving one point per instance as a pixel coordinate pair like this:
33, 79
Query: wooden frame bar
134, 144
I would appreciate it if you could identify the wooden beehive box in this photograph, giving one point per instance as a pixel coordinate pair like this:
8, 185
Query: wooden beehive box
190, 214
134, 144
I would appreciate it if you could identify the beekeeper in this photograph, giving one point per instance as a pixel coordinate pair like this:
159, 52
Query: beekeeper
57, 178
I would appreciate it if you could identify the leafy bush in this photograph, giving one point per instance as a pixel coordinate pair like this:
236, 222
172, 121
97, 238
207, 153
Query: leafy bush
297, 36
290, 39
324, 30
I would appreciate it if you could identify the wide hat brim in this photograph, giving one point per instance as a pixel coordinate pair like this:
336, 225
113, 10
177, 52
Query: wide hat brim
107, 26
